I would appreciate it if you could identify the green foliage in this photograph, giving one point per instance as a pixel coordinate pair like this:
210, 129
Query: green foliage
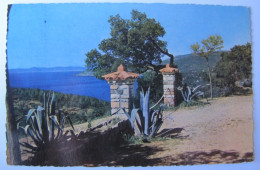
45, 127
205, 49
80, 108
130, 139
134, 42
144, 121
89, 125
208, 46
115, 120
234, 66
196, 103
153, 80
135, 140
194, 72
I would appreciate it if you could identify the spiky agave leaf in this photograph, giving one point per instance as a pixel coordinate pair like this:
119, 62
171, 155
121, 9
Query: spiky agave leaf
64, 136
70, 121
32, 135
135, 118
45, 119
29, 146
183, 96
189, 92
61, 125
47, 114
63, 122
132, 118
31, 152
45, 128
26, 129
156, 122
18, 126
59, 120
35, 128
199, 93
145, 109
155, 127
194, 89
52, 105
50, 113
19, 119
29, 114
44, 102
186, 94
127, 114
141, 99
154, 113
140, 121
38, 116
55, 121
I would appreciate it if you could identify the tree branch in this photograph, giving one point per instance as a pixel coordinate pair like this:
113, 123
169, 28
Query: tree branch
164, 52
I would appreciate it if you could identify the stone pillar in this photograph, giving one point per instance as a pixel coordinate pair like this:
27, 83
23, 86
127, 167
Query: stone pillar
121, 89
168, 85
168, 89
121, 96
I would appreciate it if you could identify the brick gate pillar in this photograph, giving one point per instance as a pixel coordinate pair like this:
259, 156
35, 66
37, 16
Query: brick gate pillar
168, 85
121, 89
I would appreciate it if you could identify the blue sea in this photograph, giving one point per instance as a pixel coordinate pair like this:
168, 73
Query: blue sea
65, 82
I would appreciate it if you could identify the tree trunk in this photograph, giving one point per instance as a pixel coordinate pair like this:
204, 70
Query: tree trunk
13, 147
210, 79
171, 60
164, 52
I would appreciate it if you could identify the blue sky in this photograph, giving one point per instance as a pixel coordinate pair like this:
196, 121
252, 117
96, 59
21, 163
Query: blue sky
49, 35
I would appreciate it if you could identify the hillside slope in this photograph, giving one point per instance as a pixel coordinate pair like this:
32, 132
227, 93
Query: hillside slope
191, 66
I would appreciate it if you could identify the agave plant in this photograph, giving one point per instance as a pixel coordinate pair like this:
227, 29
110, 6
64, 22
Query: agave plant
44, 127
189, 94
145, 121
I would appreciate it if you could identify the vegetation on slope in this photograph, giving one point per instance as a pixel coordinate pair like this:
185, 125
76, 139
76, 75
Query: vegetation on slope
80, 108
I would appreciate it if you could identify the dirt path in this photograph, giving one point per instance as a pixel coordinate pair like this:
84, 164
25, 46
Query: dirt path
221, 132
226, 124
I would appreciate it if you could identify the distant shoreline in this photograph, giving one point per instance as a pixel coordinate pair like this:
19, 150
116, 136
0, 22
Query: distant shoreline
81, 70
46, 69
85, 73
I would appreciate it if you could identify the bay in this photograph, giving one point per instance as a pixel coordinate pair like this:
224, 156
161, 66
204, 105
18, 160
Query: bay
66, 82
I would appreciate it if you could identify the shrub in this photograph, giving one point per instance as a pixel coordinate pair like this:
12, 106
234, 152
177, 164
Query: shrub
87, 107
189, 94
145, 122
153, 80
233, 72
45, 128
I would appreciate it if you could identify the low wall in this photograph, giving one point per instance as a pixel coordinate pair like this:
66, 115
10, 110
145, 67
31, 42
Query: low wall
88, 146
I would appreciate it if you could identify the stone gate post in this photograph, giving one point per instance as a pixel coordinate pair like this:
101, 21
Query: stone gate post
121, 89
168, 84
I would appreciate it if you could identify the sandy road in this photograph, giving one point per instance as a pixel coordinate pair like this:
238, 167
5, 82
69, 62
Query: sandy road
223, 127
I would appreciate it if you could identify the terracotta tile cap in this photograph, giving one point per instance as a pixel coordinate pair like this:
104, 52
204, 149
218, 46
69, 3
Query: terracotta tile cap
121, 74
168, 69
